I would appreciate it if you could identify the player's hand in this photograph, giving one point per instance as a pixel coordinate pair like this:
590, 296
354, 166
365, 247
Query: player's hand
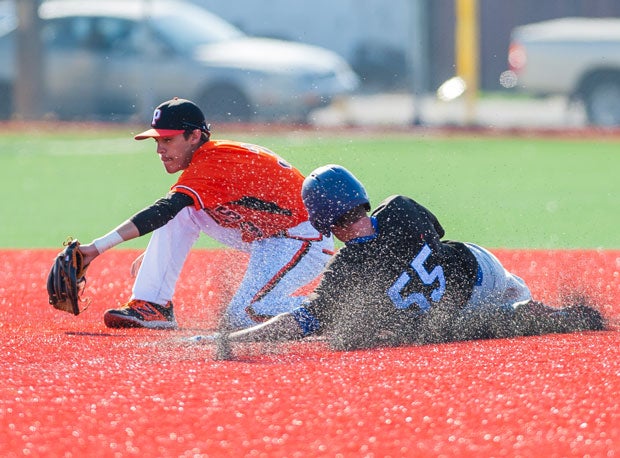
223, 350
135, 265
89, 252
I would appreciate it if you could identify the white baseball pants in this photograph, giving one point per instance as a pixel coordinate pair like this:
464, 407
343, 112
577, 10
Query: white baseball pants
278, 266
497, 287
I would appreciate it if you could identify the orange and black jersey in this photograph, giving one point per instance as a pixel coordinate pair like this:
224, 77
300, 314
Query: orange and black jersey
244, 186
240, 185
393, 276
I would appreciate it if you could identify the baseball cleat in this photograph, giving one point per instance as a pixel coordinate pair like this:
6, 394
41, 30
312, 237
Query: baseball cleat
534, 318
583, 318
141, 314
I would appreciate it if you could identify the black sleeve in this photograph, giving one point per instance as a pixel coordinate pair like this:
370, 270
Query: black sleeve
434, 221
330, 293
412, 214
162, 211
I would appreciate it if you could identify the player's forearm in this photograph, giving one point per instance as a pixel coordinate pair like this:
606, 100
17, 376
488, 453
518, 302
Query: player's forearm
126, 231
143, 222
280, 327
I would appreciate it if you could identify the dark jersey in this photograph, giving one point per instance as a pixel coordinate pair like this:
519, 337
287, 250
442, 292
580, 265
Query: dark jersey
394, 276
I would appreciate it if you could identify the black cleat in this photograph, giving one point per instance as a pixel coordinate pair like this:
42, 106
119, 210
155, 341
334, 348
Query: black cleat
141, 314
535, 318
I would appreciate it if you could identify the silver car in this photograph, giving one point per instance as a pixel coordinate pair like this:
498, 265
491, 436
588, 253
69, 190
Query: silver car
575, 57
113, 59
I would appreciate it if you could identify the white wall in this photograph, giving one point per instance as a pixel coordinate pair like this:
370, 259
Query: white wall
339, 25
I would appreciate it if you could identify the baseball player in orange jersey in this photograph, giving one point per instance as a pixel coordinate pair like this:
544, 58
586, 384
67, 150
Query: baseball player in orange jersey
242, 195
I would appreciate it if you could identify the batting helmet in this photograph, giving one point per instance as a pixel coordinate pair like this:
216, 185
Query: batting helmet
329, 193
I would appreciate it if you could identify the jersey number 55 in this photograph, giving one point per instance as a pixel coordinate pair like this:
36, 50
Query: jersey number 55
428, 278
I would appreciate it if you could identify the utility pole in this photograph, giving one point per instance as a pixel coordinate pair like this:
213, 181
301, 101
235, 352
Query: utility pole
28, 85
467, 53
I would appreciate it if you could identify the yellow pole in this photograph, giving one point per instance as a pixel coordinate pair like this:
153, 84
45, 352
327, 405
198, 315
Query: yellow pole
467, 55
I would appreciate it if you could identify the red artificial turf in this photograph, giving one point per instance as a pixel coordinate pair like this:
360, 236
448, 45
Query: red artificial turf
72, 387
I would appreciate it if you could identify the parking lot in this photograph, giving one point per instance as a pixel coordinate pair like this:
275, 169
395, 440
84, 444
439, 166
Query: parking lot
488, 112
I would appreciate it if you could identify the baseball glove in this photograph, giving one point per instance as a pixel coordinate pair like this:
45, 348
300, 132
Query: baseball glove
66, 280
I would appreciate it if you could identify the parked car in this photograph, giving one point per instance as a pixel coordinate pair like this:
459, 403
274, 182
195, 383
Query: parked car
111, 59
575, 57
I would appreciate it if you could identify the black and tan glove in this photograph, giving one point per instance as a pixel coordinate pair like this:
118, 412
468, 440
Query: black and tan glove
66, 280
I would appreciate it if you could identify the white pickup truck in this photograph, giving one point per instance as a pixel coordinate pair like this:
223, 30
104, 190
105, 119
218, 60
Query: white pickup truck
575, 57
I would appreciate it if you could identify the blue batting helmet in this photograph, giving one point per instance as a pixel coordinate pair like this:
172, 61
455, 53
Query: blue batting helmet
329, 193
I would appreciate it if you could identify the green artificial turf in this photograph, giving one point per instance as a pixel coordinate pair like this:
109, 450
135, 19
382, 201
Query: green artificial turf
497, 192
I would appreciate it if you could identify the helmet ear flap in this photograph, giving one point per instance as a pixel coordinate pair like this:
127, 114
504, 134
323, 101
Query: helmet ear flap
352, 216
329, 192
